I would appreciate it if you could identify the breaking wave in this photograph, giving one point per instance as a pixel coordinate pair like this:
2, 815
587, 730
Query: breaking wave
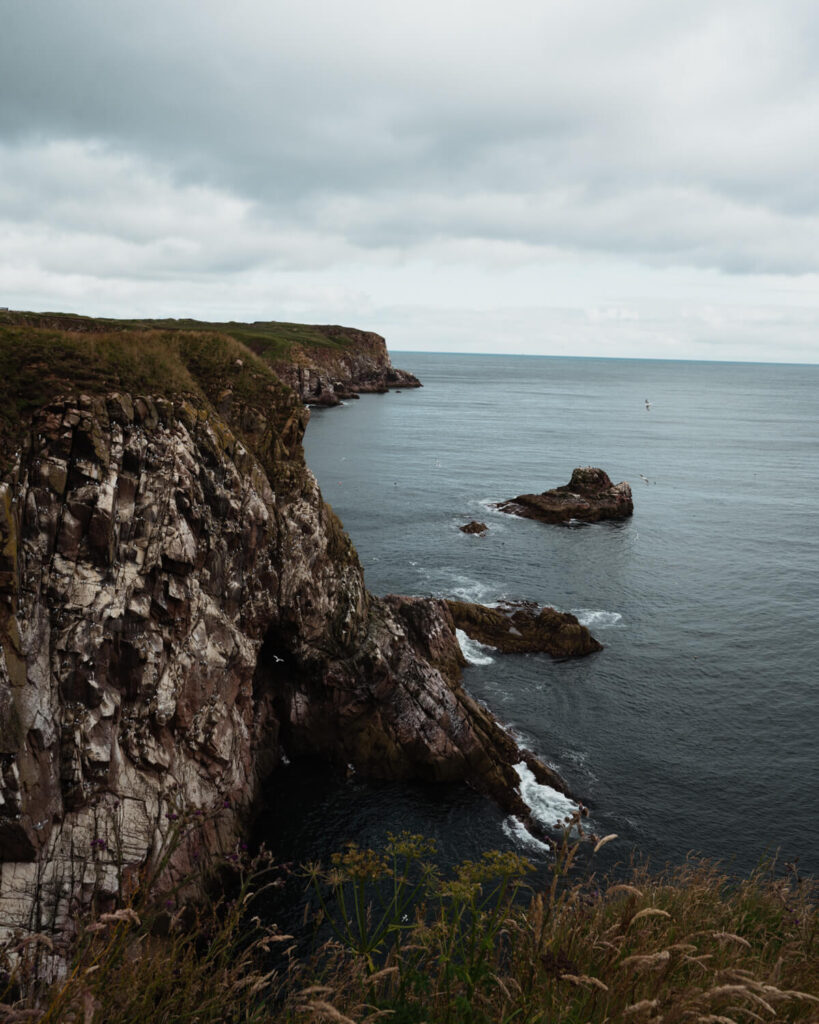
589, 617
473, 651
547, 805
514, 829
445, 582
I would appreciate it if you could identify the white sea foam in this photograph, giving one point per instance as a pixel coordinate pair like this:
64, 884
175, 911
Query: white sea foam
590, 617
547, 805
514, 829
447, 582
471, 590
489, 505
473, 651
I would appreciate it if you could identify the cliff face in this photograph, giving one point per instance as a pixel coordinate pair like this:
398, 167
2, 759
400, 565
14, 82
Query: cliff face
325, 376
177, 607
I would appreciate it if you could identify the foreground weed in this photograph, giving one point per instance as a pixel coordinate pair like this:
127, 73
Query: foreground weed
408, 945
170, 952
688, 945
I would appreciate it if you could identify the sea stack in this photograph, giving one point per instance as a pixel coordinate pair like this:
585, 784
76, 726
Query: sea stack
589, 497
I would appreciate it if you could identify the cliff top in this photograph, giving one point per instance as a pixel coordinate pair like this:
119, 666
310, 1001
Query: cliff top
44, 356
274, 340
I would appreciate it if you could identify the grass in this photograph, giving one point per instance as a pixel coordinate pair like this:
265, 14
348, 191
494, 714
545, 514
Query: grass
40, 363
410, 945
270, 339
44, 355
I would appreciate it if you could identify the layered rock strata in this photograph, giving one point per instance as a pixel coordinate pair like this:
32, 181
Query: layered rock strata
326, 376
522, 627
588, 497
178, 606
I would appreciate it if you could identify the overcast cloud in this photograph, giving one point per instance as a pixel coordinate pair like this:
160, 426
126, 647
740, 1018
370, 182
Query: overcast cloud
614, 178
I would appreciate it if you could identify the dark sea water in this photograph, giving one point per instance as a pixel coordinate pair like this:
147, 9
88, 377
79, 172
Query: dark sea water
697, 728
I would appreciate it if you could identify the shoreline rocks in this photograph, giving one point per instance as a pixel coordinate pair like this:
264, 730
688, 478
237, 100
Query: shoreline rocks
523, 627
589, 497
179, 609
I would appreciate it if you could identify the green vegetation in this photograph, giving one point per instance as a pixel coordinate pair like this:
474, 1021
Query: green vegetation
40, 363
270, 339
410, 945
44, 355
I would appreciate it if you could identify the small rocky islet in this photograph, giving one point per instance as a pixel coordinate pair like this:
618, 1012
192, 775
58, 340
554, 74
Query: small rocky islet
475, 528
589, 497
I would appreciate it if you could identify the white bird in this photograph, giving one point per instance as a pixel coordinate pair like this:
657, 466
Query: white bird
648, 405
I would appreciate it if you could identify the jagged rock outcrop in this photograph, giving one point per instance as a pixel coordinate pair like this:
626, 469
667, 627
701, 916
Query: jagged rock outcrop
522, 627
589, 497
177, 607
326, 376
474, 527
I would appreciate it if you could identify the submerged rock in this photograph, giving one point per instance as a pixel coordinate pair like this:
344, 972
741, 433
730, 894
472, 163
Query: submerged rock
522, 627
589, 497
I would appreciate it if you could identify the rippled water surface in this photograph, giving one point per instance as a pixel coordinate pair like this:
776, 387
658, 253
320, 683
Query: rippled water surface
697, 727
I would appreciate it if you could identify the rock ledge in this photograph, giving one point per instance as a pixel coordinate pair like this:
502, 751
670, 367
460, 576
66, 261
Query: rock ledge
523, 627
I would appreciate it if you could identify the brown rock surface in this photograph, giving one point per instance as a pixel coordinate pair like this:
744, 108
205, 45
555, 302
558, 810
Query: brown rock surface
523, 627
474, 527
589, 497
363, 366
178, 606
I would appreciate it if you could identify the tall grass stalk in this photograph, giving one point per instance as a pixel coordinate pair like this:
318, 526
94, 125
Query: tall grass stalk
410, 945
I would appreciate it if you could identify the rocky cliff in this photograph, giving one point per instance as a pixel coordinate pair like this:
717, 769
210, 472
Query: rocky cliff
324, 364
325, 376
179, 606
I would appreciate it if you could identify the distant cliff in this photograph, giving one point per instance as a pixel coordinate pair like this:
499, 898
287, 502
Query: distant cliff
179, 606
323, 364
326, 375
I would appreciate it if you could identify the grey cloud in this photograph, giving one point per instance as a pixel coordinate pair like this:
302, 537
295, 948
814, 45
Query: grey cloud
203, 139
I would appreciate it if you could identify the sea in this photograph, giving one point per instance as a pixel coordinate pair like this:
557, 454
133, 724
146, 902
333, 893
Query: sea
696, 730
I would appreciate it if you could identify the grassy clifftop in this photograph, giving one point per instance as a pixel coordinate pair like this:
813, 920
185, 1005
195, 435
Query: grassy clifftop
43, 355
271, 339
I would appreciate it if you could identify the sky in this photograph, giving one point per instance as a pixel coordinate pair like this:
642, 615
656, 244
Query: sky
594, 177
